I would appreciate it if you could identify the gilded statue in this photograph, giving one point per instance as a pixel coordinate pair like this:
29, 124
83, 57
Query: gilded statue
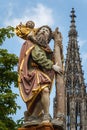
36, 71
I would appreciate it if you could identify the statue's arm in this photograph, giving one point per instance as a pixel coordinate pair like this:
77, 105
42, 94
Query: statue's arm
39, 56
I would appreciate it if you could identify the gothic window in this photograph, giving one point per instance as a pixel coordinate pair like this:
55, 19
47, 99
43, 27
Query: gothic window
69, 68
86, 106
78, 118
77, 88
68, 85
68, 114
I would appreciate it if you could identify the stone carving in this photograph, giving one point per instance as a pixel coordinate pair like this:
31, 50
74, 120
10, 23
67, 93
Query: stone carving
36, 69
26, 30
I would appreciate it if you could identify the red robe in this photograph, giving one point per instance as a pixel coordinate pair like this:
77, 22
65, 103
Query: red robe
32, 81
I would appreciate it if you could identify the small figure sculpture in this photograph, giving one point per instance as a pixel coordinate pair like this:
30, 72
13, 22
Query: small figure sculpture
26, 30
36, 73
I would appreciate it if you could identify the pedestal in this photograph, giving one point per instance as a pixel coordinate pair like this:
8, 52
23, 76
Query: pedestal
29, 128
44, 126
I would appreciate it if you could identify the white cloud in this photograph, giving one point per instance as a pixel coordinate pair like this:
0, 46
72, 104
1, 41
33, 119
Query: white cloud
84, 58
40, 14
10, 10
81, 43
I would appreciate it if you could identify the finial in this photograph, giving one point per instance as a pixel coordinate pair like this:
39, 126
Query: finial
72, 26
73, 16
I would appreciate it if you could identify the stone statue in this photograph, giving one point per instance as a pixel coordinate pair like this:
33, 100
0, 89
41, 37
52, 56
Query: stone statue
26, 30
36, 73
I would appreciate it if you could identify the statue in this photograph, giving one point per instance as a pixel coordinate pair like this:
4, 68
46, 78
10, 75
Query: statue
36, 70
26, 30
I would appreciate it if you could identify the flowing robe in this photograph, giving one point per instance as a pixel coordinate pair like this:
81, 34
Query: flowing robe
35, 72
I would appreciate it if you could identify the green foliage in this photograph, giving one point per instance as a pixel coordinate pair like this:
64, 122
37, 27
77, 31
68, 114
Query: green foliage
8, 77
2, 126
7, 64
8, 124
6, 32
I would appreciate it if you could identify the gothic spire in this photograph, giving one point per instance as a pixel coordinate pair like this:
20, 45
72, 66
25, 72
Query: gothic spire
73, 31
76, 96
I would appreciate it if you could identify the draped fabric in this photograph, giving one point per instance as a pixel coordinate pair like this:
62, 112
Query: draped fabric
32, 80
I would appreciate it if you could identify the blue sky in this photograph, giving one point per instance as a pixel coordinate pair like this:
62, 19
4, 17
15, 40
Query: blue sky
54, 13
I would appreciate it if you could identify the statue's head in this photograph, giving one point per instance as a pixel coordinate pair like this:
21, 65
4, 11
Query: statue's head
43, 35
30, 24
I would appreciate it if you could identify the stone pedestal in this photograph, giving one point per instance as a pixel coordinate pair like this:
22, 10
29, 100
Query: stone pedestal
44, 126
29, 128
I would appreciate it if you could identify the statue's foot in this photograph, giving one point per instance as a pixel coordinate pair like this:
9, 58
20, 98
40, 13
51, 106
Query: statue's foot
32, 120
57, 122
46, 118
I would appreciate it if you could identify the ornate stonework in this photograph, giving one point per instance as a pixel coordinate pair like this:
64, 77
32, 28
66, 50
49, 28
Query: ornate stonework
76, 95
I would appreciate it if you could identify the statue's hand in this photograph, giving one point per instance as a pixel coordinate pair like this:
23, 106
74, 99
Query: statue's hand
57, 35
57, 69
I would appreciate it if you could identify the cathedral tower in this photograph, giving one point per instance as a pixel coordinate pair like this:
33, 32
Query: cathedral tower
76, 95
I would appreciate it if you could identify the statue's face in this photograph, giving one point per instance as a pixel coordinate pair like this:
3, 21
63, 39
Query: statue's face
30, 24
43, 36
45, 31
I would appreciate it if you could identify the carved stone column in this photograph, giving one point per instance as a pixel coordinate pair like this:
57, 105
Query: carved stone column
83, 114
72, 113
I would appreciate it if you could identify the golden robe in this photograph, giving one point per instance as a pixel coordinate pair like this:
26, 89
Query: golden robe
22, 31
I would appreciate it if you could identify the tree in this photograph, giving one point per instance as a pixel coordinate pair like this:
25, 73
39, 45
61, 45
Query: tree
8, 76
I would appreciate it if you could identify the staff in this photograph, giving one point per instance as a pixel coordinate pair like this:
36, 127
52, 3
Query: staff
59, 79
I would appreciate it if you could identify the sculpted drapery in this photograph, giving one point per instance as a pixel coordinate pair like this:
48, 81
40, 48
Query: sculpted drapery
37, 66
35, 72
